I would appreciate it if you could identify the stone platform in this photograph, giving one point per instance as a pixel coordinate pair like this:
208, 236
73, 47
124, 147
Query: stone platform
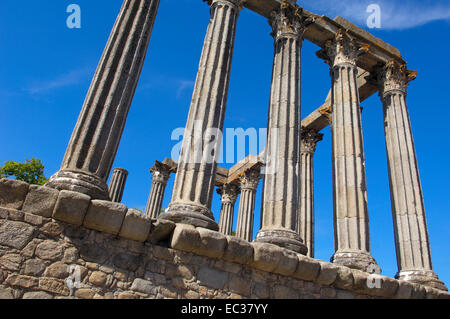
62, 244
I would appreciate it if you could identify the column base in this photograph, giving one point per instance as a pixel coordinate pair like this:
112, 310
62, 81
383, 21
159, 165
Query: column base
197, 216
423, 277
80, 182
282, 237
357, 260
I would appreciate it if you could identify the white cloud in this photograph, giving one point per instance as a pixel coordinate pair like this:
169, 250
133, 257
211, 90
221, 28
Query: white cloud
395, 14
70, 78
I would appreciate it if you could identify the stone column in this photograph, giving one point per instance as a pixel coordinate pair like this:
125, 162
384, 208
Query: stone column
306, 210
228, 193
92, 148
249, 185
281, 183
117, 184
351, 218
408, 211
160, 176
196, 173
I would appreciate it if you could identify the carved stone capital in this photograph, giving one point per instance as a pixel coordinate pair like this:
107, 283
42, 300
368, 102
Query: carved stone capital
394, 77
342, 50
160, 173
309, 141
250, 179
288, 21
237, 4
229, 193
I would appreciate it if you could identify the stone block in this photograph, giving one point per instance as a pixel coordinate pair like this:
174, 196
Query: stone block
22, 281
98, 278
10, 262
266, 256
328, 273
213, 243
85, 293
55, 286
307, 269
40, 200
71, 207
33, 267
12, 193
186, 238
288, 263
37, 295
389, 287
344, 278
418, 291
136, 226
144, 286
105, 216
212, 278
48, 250
58, 270
15, 234
240, 285
161, 230
238, 250
6, 293
404, 291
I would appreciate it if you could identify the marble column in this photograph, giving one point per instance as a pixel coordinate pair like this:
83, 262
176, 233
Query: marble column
92, 148
160, 176
306, 210
228, 195
281, 184
117, 184
351, 218
410, 226
249, 184
196, 173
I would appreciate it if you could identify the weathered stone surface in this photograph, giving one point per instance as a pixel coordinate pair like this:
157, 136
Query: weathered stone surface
240, 286
22, 281
40, 200
288, 263
160, 230
266, 256
185, 237
127, 261
55, 286
15, 234
344, 278
85, 293
212, 278
58, 270
71, 207
105, 216
238, 250
328, 273
144, 286
213, 243
49, 250
98, 278
405, 290
10, 262
37, 295
12, 193
33, 267
6, 293
136, 226
52, 229
307, 269
93, 253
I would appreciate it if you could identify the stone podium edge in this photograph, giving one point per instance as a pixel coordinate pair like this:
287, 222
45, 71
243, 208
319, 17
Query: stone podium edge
116, 219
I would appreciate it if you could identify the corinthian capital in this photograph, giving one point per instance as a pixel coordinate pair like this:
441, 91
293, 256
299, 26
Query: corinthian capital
342, 50
394, 77
160, 172
229, 193
237, 4
309, 141
288, 21
250, 179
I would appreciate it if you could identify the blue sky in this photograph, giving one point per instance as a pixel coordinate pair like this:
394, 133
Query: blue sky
46, 70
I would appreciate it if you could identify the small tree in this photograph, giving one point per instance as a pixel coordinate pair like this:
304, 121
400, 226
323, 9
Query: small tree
31, 171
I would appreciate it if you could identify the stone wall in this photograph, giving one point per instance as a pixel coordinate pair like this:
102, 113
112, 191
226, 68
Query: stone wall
64, 245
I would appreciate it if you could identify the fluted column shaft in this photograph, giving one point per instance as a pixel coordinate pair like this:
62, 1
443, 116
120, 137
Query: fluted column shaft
92, 148
160, 176
408, 211
228, 193
249, 184
281, 183
117, 184
306, 210
196, 173
351, 218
